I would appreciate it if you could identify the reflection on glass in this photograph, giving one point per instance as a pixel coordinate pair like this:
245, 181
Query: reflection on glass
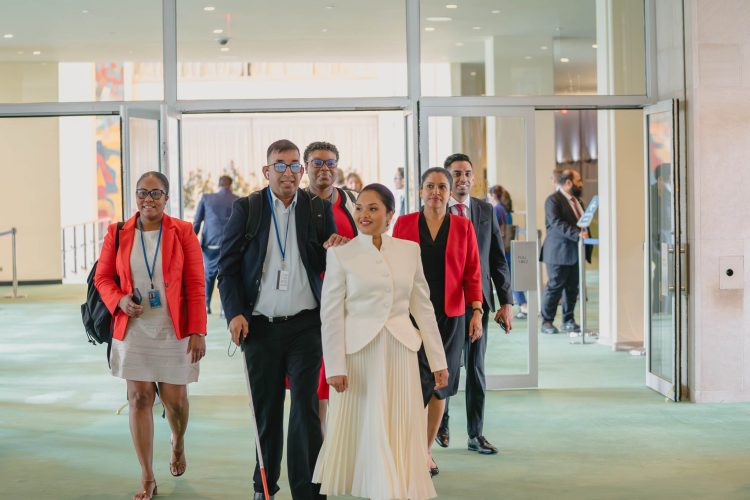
534, 47
497, 148
144, 149
76, 52
260, 49
661, 246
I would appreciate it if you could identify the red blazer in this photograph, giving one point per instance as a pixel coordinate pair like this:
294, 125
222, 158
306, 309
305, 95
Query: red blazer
463, 278
182, 267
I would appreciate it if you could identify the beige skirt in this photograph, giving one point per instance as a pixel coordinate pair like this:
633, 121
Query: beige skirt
376, 430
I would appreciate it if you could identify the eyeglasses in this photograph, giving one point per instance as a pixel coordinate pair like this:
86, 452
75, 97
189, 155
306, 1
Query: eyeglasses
281, 167
155, 194
331, 164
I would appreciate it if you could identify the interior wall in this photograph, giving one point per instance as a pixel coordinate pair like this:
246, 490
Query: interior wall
718, 187
30, 197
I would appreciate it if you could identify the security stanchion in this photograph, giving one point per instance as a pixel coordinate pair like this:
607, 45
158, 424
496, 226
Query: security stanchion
12, 232
582, 242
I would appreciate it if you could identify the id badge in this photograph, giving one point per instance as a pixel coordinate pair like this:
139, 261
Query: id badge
282, 280
154, 299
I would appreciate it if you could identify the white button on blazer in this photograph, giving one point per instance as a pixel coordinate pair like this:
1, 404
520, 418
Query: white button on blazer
366, 290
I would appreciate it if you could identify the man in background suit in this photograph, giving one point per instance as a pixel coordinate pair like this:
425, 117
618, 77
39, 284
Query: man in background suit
562, 211
494, 268
271, 285
213, 212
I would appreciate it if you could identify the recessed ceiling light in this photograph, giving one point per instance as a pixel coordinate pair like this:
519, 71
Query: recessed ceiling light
330, 7
451, 6
20, 52
218, 31
37, 52
209, 8
84, 11
564, 60
476, 27
544, 47
595, 46
459, 44
8, 35
224, 49
496, 12
439, 19
324, 30
473, 73
429, 28
527, 57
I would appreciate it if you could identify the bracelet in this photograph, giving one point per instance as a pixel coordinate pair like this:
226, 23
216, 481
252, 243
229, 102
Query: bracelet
481, 312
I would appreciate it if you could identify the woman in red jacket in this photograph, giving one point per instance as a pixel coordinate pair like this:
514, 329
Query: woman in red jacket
155, 289
450, 260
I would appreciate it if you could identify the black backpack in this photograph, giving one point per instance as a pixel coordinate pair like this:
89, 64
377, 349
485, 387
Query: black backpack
254, 201
97, 319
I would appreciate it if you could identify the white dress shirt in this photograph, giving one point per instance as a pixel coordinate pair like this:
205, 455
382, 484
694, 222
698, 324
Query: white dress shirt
298, 296
574, 203
467, 203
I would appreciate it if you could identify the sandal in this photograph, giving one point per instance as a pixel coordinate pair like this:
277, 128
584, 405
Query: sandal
148, 491
178, 466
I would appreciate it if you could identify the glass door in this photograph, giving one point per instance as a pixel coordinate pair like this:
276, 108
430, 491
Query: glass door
171, 144
666, 253
141, 149
500, 142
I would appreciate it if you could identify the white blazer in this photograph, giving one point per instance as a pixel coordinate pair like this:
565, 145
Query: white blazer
366, 290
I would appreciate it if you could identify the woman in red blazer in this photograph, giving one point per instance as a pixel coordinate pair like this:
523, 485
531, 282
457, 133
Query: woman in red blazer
450, 260
155, 289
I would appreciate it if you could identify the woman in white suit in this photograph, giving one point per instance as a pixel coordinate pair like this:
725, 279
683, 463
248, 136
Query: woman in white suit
374, 446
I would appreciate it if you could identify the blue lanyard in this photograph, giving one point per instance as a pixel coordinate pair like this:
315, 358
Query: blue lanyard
151, 270
276, 225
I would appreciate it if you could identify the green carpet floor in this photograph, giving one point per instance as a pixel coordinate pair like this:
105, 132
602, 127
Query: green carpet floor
593, 430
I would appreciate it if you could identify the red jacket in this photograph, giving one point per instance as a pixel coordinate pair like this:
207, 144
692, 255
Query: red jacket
182, 267
463, 278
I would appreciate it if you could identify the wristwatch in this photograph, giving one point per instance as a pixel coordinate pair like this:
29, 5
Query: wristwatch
481, 312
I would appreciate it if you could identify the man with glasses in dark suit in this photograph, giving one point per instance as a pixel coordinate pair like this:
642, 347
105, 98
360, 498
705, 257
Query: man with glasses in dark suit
270, 282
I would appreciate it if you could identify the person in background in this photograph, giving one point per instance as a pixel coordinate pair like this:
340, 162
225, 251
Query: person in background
375, 443
398, 184
354, 182
450, 259
158, 329
503, 203
321, 160
213, 213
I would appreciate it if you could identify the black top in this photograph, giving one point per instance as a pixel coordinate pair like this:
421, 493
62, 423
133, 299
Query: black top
433, 260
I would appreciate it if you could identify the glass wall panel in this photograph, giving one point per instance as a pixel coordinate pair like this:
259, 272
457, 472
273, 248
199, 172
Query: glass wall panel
80, 52
294, 49
534, 47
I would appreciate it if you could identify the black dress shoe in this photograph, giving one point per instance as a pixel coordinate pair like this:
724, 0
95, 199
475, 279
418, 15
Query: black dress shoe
259, 495
571, 326
548, 327
443, 438
481, 445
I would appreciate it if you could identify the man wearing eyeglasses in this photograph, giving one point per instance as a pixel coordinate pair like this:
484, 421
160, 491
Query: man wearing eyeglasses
270, 284
321, 160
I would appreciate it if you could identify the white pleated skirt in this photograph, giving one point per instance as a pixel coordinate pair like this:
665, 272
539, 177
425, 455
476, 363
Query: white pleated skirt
375, 445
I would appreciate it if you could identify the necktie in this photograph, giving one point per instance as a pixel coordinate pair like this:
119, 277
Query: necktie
577, 208
461, 209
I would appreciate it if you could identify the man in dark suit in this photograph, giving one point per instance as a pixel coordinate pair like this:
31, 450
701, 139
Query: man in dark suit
494, 269
562, 211
270, 285
213, 213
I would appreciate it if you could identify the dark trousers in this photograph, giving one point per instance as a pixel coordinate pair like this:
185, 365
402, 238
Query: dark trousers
474, 353
211, 268
562, 282
272, 352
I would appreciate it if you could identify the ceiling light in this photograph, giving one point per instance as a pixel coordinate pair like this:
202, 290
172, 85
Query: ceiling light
330, 7
459, 44
527, 57
429, 28
37, 52
473, 73
8, 35
439, 19
564, 60
451, 6
209, 8
595, 46
544, 47
224, 49
476, 27
324, 30
84, 12
20, 52
496, 12
218, 31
